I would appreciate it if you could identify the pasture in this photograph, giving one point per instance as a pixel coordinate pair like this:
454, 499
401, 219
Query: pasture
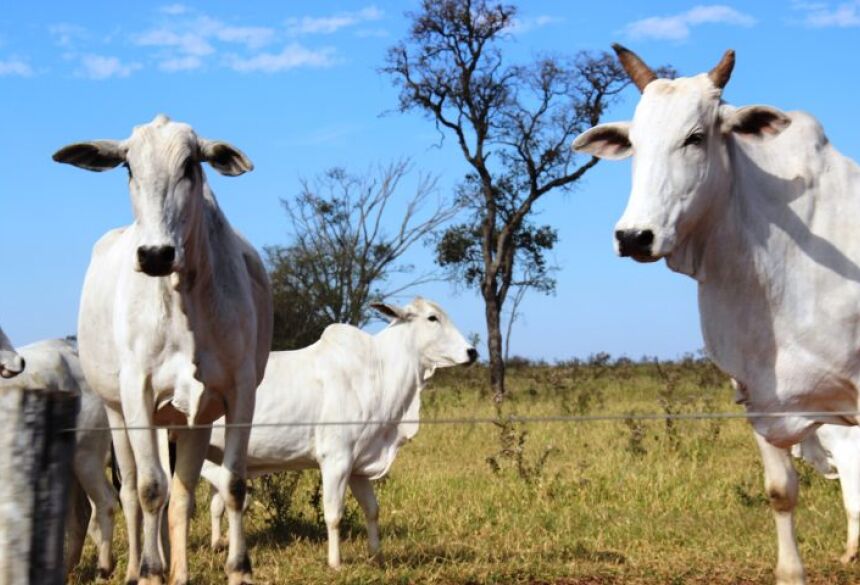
556, 503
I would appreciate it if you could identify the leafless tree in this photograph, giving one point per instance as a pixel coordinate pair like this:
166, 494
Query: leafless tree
513, 125
347, 244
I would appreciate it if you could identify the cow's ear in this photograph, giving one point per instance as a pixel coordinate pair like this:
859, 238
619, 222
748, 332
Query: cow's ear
760, 122
391, 311
225, 158
610, 141
98, 155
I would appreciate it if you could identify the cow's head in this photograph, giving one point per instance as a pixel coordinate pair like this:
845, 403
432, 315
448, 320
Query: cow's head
432, 334
678, 139
11, 364
166, 183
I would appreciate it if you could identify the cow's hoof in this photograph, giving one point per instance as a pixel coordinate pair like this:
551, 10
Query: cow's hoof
794, 577
240, 579
220, 545
848, 558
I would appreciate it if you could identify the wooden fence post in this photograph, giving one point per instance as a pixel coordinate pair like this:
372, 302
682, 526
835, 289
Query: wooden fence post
36, 454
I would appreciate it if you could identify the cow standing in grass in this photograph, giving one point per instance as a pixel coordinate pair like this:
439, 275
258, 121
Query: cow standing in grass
346, 376
11, 364
759, 207
174, 328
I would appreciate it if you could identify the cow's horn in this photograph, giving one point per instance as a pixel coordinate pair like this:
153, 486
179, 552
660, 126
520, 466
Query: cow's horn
635, 67
723, 71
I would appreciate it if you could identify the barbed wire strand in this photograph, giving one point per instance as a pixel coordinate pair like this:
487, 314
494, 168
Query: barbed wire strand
535, 419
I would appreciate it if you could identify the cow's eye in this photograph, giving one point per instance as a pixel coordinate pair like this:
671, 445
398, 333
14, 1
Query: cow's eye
188, 169
695, 139
433, 318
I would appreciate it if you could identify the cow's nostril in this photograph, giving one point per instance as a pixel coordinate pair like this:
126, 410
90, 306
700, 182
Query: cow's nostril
645, 238
156, 260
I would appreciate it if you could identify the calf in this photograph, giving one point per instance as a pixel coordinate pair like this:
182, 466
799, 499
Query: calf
346, 376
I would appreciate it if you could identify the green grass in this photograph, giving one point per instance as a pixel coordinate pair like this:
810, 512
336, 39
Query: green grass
584, 503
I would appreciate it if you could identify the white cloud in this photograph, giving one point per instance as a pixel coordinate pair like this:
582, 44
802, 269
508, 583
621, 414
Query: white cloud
103, 67
188, 43
176, 64
821, 15
308, 25
14, 66
292, 56
520, 26
677, 27
66, 34
174, 9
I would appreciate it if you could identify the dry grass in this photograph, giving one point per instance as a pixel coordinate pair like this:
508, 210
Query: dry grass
572, 504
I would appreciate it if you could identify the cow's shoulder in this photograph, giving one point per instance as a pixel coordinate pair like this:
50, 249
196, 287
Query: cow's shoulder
107, 242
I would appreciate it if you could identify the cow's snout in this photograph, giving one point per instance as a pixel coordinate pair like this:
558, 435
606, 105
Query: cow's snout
156, 260
14, 367
472, 353
635, 243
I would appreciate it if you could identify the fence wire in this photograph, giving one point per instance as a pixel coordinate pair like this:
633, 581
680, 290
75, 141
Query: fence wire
536, 419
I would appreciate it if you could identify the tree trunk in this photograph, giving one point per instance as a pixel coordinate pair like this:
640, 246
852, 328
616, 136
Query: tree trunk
494, 343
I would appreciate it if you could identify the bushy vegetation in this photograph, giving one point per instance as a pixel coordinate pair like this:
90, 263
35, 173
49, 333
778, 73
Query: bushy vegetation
625, 501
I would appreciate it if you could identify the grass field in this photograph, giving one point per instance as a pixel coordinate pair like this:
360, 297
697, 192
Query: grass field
586, 503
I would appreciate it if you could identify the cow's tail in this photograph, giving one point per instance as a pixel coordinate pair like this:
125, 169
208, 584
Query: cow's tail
115, 474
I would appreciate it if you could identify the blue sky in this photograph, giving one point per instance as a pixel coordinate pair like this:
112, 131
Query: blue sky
296, 86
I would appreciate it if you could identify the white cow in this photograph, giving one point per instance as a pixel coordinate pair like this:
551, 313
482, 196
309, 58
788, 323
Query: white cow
758, 207
348, 375
833, 451
174, 328
11, 364
54, 364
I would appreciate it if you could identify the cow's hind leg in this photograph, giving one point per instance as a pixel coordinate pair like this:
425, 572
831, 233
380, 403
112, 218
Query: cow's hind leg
781, 485
335, 473
847, 458
362, 489
191, 448
216, 515
91, 474
128, 492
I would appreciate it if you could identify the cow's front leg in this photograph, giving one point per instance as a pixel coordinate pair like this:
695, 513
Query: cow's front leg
128, 491
152, 487
362, 489
780, 481
335, 473
191, 446
230, 478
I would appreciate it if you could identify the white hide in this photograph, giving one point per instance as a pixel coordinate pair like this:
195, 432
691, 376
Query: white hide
54, 364
762, 211
348, 375
173, 338
11, 363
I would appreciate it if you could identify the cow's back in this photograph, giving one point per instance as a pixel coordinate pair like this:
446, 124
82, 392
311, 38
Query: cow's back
96, 334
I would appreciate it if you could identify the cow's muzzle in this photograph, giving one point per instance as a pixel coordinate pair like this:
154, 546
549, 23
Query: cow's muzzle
12, 368
636, 244
472, 353
156, 260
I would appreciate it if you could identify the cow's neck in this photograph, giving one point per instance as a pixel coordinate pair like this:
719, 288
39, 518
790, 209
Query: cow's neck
402, 375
